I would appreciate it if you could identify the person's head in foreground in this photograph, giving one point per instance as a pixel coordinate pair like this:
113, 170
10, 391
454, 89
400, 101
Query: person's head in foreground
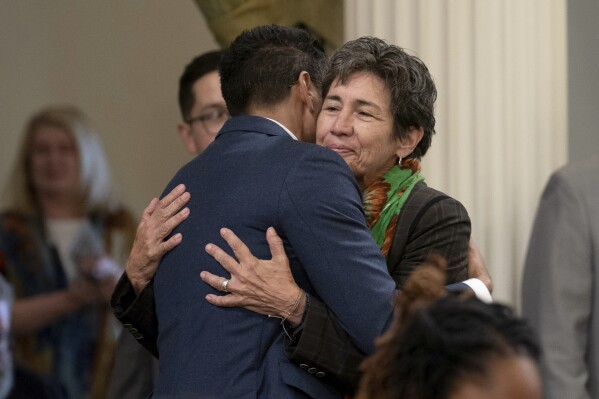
447, 347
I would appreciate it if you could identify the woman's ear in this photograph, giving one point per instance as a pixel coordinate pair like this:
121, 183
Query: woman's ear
409, 143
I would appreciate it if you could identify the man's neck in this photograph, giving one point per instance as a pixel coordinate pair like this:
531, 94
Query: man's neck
282, 113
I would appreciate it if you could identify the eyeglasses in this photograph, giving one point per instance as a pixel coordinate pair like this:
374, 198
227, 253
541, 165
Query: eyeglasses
212, 119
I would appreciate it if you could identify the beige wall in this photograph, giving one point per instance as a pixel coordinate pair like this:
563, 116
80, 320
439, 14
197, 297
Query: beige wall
119, 61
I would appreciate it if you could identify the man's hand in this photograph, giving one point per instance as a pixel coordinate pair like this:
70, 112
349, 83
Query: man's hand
476, 266
159, 219
262, 286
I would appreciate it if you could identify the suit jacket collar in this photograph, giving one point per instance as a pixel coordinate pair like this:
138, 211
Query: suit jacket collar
254, 124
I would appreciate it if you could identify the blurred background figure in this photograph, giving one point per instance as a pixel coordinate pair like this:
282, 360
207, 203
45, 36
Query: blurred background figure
202, 106
561, 279
17, 382
63, 234
451, 347
6, 366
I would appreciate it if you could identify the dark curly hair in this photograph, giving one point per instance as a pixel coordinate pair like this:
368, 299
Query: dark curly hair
263, 63
437, 339
407, 79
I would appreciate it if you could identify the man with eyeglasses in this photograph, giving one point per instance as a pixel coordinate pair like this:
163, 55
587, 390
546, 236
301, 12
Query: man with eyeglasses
203, 108
204, 112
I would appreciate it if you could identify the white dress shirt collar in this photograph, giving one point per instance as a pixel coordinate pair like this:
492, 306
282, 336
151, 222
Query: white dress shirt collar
287, 130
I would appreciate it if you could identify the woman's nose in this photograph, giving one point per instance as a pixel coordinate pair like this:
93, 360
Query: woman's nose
342, 125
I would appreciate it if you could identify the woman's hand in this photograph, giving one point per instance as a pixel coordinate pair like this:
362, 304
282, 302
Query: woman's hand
262, 286
476, 266
159, 219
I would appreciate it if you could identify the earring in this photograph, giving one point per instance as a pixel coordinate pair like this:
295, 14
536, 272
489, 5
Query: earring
399, 162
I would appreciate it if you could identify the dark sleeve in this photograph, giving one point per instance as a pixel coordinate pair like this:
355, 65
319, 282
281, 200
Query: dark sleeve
324, 348
137, 313
442, 228
321, 215
343, 264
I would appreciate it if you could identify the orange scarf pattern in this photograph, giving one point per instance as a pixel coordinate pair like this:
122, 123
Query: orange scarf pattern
375, 199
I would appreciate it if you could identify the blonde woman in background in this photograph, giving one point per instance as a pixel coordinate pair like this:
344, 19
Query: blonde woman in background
63, 235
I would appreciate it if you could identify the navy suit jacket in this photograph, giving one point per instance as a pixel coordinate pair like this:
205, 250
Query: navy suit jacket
254, 176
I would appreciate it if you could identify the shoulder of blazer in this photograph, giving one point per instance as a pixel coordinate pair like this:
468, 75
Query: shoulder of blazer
420, 200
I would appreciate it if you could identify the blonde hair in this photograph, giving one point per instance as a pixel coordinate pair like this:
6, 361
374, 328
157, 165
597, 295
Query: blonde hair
96, 187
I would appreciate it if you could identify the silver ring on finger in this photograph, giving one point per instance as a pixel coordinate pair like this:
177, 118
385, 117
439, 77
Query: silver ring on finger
223, 285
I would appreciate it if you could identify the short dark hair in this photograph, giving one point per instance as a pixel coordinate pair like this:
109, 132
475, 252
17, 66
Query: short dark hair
198, 67
263, 63
456, 338
436, 341
410, 85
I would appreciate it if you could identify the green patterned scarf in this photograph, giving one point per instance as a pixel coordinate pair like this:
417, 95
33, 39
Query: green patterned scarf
400, 183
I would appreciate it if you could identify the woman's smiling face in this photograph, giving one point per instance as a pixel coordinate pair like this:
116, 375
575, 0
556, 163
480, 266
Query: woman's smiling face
357, 123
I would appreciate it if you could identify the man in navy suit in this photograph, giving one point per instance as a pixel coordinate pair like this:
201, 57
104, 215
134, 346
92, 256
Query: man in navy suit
256, 175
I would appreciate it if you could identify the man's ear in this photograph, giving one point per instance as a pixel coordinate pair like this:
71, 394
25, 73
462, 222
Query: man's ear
184, 131
307, 90
409, 143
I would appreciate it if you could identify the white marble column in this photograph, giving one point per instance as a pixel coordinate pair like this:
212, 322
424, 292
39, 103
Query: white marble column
500, 70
